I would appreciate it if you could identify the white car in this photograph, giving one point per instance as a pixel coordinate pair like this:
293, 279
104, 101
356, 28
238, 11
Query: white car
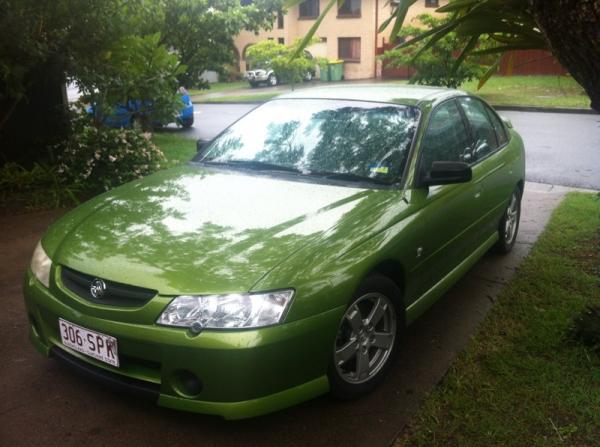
259, 76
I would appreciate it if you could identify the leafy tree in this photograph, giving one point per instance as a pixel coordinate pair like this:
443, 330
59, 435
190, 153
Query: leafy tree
202, 31
277, 56
436, 65
568, 28
138, 74
42, 41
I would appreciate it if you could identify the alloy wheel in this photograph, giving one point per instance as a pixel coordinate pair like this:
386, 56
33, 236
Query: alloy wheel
365, 338
512, 219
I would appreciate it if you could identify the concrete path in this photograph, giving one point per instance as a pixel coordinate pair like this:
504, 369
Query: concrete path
43, 404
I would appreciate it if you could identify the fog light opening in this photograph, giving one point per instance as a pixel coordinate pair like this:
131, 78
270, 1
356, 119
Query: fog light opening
186, 383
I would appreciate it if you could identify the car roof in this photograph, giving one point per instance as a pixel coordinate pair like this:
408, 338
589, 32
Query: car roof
416, 95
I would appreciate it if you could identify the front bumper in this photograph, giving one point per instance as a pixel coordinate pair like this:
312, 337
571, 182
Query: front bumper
242, 373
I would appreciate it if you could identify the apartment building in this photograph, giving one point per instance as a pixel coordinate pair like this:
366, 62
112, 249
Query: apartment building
348, 32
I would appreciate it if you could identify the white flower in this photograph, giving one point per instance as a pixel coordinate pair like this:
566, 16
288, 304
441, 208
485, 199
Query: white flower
112, 159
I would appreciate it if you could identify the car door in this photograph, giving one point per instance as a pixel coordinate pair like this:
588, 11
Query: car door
488, 163
442, 230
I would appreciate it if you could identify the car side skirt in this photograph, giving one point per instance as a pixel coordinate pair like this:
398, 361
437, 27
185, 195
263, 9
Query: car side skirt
416, 309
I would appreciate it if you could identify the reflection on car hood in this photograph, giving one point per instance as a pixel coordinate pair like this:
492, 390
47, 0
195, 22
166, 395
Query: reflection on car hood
195, 230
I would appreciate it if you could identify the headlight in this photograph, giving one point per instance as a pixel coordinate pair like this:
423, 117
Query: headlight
237, 311
40, 265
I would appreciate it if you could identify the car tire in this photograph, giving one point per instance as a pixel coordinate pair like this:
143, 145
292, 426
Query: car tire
509, 224
364, 350
272, 80
253, 84
186, 123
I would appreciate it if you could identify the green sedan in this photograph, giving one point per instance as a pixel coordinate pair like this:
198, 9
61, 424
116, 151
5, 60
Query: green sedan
288, 257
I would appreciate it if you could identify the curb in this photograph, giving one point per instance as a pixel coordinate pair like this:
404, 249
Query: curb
545, 110
228, 102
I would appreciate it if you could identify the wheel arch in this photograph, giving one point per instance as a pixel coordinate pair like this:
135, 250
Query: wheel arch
392, 269
521, 186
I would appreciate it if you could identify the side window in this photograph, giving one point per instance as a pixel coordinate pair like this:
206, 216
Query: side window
501, 134
446, 138
484, 134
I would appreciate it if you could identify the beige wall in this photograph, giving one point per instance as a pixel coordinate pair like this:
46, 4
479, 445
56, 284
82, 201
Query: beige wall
333, 28
415, 10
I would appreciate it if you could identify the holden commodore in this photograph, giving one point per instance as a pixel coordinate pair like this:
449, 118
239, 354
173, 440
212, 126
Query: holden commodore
288, 257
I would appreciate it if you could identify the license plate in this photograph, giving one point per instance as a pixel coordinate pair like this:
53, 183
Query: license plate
94, 344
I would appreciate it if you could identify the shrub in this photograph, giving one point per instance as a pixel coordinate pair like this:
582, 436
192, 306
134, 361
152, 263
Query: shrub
102, 158
271, 54
38, 187
435, 65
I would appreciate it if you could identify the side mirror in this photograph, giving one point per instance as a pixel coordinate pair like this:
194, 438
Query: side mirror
201, 144
506, 121
446, 173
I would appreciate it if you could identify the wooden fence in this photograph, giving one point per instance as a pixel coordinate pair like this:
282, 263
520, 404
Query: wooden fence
524, 62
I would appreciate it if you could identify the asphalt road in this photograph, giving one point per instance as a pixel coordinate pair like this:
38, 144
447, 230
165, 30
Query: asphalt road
562, 149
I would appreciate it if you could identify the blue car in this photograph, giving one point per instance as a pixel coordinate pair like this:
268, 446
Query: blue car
124, 116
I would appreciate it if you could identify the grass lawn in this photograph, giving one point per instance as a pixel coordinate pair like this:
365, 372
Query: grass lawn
220, 87
541, 91
255, 97
177, 149
519, 382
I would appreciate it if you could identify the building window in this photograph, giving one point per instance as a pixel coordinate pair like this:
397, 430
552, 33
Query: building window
432, 3
279, 20
349, 49
309, 9
281, 40
350, 8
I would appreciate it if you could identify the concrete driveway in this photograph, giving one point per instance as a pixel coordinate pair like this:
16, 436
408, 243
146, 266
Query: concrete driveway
562, 148
43, 404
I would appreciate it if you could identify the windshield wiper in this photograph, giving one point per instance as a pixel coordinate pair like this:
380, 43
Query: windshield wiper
348, 176
266, 166
255, 165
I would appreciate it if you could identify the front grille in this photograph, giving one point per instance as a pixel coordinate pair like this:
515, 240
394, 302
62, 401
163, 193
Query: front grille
116, 294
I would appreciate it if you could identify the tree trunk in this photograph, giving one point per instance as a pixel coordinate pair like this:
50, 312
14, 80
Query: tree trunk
38, 121
572, 28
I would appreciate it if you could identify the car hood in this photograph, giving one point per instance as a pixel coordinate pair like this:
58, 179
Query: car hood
197, 230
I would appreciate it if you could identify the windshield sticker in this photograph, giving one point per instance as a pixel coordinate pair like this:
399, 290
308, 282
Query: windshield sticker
379, 168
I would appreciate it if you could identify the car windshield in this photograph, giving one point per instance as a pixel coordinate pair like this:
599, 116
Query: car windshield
347, 140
